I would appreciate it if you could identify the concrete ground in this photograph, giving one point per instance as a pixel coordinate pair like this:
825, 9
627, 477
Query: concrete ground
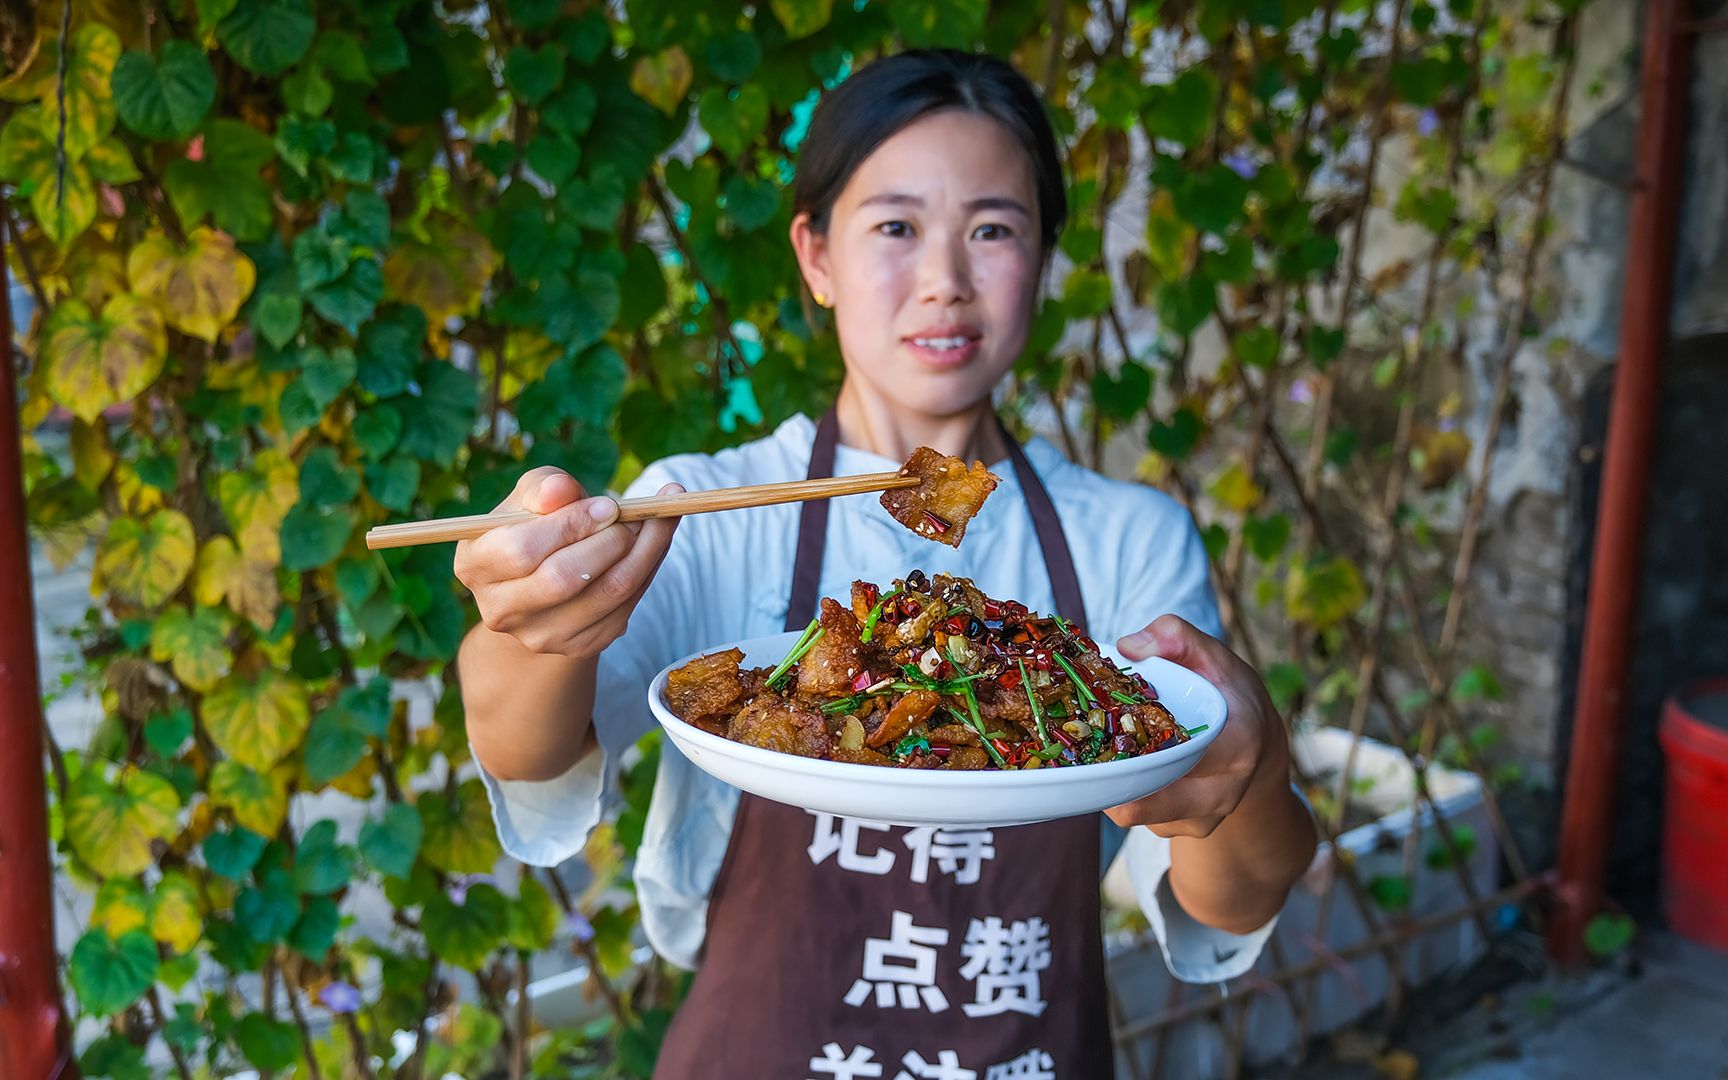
1659, 1012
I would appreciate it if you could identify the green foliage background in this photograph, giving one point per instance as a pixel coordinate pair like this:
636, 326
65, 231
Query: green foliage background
302, 268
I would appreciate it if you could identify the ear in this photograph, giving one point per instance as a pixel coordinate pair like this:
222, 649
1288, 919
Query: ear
811, 248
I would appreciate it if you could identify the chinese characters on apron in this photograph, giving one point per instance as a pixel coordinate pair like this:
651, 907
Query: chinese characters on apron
840, 949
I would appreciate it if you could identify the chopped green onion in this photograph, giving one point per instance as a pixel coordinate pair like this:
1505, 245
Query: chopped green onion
978, 725
1037, 713
1085, 691
806, 640
910, 743
1193, 731
876, 613
1125, 698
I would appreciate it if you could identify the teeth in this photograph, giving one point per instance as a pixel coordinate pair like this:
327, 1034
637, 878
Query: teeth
939, 342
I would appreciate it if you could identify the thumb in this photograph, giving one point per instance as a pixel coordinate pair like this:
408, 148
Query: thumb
1169, 636
551, 491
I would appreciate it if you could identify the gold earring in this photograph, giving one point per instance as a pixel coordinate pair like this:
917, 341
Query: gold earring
821, 298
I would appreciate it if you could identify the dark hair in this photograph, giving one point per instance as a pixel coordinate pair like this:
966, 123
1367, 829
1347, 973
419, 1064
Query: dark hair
882, 97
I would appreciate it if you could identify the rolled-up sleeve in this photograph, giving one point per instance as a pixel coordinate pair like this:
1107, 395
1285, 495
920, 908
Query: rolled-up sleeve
1194, 952
545, 822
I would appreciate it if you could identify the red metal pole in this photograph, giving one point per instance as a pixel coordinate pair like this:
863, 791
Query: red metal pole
33, 1033
1586, 824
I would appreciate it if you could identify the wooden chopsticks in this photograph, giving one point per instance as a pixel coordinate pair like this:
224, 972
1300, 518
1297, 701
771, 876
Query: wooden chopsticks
444, 530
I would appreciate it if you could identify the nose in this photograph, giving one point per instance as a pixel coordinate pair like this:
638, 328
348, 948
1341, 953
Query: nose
944, 270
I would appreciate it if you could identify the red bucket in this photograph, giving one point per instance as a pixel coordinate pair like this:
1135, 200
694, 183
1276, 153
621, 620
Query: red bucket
1695, 837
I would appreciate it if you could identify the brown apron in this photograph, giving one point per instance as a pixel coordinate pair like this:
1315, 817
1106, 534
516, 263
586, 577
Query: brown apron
845, 949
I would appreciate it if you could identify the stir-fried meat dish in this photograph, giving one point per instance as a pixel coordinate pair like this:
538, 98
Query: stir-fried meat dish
931, 674
947, 497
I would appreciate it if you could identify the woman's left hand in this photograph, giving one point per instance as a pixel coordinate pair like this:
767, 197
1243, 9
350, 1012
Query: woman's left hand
1252, 751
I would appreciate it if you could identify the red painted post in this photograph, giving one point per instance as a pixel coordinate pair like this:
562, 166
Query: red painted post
1587, 819
33, 1035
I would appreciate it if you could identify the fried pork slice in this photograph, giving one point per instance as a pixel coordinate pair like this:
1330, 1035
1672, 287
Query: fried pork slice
773, 723
862, 756
707, 686
947, 496
828, 669
969, 759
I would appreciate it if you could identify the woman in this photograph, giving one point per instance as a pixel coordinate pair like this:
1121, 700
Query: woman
929, 196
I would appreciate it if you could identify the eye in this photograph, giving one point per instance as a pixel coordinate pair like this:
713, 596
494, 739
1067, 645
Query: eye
895, 229
992, 231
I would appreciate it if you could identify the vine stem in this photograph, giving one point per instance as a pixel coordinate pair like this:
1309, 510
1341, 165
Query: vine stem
1376, 138
614, 1000
717, 303
1477, 506
305, 1029
180, 1064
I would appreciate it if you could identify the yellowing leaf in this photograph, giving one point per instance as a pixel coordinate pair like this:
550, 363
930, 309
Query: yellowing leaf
444, 275
120, 906
663, 79
176, 917
257, 721
1323, 595
201, 286
96, 361
801, 18
460, 837
95, 268
88, 103
111, 824
194, 643
1234, 488
146, 561
224, 575
259, 802
92, 457
256, 501
64, 201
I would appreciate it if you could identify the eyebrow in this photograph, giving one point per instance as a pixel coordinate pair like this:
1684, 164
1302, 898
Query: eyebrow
987, 202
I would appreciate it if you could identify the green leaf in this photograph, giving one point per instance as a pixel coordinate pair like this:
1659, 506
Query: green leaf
394, 483
1323, 594
1284, 681
114, 1057
164, 97
111, 825
233, 854
111, 163
321, 865
1175, 438
1184, 306
460, 838
226, 184
532, 74
312, 537
267, 37
1117, 91
390, 845
110, 975
751, 202
339, 53
437, 421
337, 739
465, 934
1210, 200
307, 91
389, 350
571, 111
734, 118
377, 429
194, 643
1608, 933
257, 721
1257, 346
267, 912
801, 18
350, 300
325, 481
732, 57
663, 78
1182, 110
1439, 856
1476, 683
165, 735
1268, 536
1391, 892
277, 317
315, 933
326, 373
952, 23
553, 158
268, 1044
534, 917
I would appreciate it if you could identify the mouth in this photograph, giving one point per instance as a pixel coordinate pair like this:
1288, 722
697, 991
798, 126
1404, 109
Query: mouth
944, 346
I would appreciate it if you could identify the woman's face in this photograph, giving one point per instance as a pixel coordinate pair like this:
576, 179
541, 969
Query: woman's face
931, 262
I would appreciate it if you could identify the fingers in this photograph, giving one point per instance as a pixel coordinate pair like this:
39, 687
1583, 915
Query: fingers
517, 551
542, 490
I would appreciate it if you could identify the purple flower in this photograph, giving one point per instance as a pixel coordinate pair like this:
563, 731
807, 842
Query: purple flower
579, 926
1427, 123
1301, 392
339, 998
1242, 165
459, 885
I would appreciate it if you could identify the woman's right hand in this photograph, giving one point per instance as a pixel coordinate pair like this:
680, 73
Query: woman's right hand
564, 584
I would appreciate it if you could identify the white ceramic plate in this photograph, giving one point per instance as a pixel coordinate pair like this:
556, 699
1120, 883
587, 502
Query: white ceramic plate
937, 796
